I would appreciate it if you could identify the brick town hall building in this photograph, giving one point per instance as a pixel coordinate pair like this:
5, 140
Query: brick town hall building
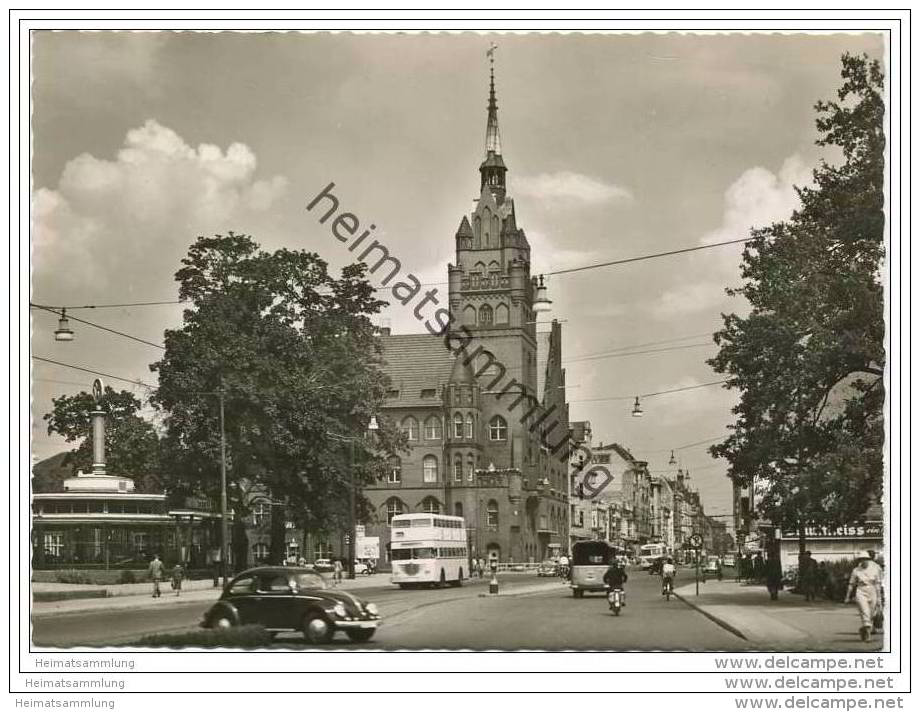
475, 448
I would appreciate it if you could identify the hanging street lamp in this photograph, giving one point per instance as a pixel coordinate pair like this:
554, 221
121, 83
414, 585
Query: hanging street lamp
63, 332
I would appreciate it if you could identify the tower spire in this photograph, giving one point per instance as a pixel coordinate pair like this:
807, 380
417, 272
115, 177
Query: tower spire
492, 170
493, 137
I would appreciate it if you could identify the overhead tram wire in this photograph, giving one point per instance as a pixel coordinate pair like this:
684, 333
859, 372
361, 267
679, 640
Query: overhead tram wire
54, 310
636, 353
135, 382
120, 306
640, 258
649, 395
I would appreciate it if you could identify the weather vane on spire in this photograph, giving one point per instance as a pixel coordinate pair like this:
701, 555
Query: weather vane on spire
490, 53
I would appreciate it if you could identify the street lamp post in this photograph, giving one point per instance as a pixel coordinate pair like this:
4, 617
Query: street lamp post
224, 533
352, 505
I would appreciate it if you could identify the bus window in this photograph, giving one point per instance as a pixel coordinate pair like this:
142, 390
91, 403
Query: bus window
425, 553
401, 554
400, 523
420, 523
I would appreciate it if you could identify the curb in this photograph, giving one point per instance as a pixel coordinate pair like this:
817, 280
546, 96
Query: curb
521, 592
715, 619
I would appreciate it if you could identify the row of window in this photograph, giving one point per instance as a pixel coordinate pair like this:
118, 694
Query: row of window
429, 552
99, 507
462, 428
395, 506
430, 469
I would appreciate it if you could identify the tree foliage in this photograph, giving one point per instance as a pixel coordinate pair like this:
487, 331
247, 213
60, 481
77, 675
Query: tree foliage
294, 353
809, 356
132, 445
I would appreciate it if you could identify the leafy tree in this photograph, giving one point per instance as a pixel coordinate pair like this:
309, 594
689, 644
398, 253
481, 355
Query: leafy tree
295, 355
132, 446
808, 358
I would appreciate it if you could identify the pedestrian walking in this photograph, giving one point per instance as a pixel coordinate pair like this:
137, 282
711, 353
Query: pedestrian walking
773, 575
878, 622
155, 570
808, 570
214, 561
758, 568
865, 589
178, 573
337, 571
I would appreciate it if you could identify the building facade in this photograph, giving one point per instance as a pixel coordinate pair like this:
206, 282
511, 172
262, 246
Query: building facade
482, 404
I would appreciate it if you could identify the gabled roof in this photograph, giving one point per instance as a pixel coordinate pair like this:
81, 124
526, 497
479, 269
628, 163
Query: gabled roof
465, 229
415, 362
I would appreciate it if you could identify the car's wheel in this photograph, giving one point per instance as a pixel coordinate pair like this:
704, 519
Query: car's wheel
459, 581
222, 621
403, 585
361, 635
317, 629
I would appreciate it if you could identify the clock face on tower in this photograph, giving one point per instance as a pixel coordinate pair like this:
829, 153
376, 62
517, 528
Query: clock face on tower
97, 391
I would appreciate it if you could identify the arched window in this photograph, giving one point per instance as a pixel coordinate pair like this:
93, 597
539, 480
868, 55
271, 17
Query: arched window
431, 505
410, 428
458, 426
458, 468
429, 468
471, 466
498, 428
394, 471
501, 314
485, 315
394, 507
469, 426
469, 313
492, 514
458, 509
433, 428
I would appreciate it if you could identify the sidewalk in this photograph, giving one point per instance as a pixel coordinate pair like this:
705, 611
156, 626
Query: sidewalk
138, 595
787, 623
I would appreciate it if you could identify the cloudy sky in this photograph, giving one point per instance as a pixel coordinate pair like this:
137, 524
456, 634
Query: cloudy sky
617, 146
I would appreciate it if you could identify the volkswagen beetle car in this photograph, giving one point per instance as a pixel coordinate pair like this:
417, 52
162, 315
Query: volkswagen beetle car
285, 598
547, 568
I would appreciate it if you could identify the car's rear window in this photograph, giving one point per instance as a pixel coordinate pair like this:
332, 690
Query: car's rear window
307, 580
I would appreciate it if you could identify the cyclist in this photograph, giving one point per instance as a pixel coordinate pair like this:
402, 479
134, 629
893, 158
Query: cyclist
668, 571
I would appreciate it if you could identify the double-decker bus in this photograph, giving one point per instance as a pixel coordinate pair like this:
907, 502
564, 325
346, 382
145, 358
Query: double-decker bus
428, 549
650, 553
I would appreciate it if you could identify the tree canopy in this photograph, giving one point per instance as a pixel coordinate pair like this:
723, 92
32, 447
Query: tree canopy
808, 357
293, 351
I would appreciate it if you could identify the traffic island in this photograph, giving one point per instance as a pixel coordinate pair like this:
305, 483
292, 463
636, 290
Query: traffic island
247, 636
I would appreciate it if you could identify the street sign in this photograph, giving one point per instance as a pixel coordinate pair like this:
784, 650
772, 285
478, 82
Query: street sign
696, 541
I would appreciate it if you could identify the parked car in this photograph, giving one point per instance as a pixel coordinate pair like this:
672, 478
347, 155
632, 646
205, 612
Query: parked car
286, 598
712, 566
324, 566
547, 568
729, 560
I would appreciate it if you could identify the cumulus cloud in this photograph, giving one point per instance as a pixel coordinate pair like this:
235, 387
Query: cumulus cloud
129, 220
757, 198
566, 186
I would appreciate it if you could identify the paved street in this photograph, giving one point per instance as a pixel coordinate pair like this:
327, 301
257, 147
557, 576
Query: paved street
456, 618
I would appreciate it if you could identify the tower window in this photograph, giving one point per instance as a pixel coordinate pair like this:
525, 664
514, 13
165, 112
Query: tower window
485, 315
458, 468
469, 426
492, 514
458, 426
498, 428
430, 469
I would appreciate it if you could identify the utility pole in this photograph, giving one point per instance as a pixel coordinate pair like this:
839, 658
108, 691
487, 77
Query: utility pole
224, 534
352, 515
